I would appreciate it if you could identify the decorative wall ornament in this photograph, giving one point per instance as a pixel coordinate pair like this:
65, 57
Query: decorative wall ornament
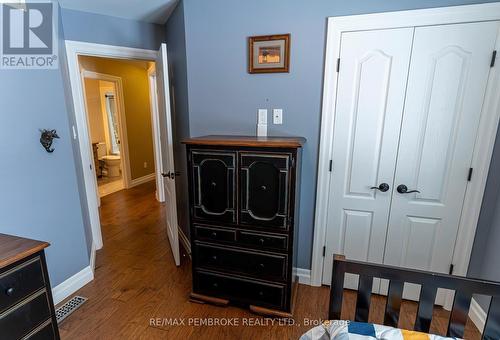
47, 138
269, 53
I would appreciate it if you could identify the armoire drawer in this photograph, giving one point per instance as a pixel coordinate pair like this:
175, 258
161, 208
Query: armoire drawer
266, 266
19, 282
214, 234
262, 241
25, 317
240, 289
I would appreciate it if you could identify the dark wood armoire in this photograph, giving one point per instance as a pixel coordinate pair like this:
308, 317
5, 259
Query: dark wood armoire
244, 205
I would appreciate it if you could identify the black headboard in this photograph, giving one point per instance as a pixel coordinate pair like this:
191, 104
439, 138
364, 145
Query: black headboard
430, 282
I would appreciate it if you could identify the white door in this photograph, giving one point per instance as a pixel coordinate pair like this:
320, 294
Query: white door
446, 86
371, 84
167, 151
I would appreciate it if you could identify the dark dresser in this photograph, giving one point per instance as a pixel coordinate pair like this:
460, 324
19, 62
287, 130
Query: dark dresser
244, 214
26, 306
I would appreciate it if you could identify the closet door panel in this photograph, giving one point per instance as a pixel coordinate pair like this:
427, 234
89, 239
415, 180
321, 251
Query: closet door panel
449, 71
370, 98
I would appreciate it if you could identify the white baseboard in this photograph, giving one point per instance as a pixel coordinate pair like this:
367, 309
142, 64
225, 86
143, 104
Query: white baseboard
71, 285
477, 315
184, 241
142, 180
77, 281
304, 275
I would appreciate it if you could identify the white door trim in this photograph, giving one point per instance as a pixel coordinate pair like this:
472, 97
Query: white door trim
73, 50
486, 133
122, 121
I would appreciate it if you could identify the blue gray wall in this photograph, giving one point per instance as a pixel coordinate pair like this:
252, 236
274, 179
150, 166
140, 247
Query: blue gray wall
103, 29
223, 97
176, 45
484, 259
42, 195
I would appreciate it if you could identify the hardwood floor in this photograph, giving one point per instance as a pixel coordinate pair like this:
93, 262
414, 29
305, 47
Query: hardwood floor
137, 289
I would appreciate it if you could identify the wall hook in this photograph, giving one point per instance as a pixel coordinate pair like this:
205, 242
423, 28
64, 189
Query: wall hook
47, 138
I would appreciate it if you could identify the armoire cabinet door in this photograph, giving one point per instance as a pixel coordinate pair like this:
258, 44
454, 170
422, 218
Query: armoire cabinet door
213, 185
264, 189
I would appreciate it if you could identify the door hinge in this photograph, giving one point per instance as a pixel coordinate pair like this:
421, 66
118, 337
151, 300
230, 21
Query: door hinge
493, 58
469, 176
90, 165
451, 269
338, 65
330, 167
293, 162
324, 251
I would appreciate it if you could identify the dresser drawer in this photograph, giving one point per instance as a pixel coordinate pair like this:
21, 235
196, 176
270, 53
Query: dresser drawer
19, 321
240, 289
214, 234
45, 331
19, 282
263, 241
265, 266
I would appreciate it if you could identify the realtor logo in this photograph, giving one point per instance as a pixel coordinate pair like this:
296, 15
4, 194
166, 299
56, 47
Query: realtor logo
29, 39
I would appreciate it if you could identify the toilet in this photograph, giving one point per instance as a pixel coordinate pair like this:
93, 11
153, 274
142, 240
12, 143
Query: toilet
112, 163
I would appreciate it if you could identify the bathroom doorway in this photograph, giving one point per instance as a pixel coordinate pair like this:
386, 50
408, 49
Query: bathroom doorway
107, 129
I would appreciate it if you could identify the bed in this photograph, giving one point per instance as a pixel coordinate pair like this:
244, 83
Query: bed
360, 329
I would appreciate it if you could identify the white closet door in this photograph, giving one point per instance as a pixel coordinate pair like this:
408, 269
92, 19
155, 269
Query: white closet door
446, 86
371, 84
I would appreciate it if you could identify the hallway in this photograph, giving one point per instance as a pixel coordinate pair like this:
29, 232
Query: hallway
136, 281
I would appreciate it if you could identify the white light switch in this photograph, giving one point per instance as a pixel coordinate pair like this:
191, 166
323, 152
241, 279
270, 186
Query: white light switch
277, 116
262, 119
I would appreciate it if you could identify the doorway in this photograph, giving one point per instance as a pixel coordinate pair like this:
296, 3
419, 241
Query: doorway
124, 132
107, 130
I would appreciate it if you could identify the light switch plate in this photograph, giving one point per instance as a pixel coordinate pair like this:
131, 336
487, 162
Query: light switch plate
262, 119
261, 130
278, 116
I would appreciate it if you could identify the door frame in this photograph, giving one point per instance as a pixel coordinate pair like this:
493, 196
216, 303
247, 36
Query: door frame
74, 49
122, 122
155, 123
487, 130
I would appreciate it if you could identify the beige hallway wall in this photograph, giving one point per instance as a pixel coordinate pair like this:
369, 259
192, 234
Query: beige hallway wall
93, 103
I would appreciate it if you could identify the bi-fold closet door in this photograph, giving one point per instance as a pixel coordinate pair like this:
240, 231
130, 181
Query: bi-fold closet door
408, 106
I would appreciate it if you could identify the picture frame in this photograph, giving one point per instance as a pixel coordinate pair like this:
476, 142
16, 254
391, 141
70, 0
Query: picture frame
269, 53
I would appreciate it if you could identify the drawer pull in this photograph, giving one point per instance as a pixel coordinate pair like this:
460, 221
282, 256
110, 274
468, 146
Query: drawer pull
214, 184
9, 291
262, 241
261, 293
261, 265
214, 234
214, 257
215, 285
263, 187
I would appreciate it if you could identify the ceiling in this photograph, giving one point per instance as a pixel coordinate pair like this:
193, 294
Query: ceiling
153, 11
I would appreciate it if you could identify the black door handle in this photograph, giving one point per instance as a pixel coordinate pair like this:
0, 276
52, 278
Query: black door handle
171, 174
382, 187
403, 189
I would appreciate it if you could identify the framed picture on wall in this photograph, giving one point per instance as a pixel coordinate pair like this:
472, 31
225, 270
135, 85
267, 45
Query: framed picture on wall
269, 53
